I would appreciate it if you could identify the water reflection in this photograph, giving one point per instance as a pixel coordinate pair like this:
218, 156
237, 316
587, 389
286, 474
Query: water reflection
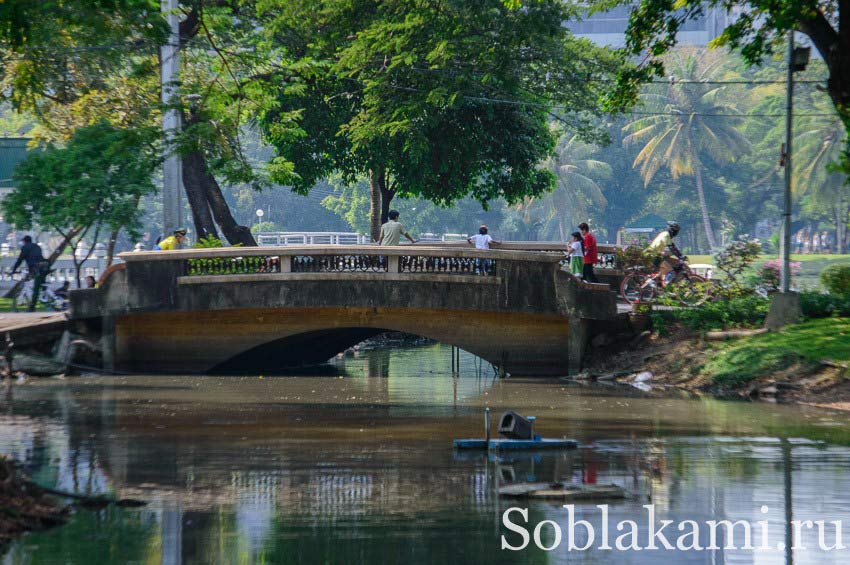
358, 467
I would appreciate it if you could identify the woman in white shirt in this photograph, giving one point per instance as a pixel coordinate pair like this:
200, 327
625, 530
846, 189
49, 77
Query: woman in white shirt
576, 254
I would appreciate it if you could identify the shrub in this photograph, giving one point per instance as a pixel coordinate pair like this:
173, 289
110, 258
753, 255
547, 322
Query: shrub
208, 242
745, 311
821, 305
836, 279
634, 256
734, 258
770, 274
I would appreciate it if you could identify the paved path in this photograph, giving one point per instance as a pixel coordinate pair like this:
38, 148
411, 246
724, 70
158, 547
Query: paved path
12, 321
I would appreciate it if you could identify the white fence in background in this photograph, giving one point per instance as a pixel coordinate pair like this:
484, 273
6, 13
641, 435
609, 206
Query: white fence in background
266, 239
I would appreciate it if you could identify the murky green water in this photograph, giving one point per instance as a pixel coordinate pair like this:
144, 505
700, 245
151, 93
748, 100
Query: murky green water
359, 468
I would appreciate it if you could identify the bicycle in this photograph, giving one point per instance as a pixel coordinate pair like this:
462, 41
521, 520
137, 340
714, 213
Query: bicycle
21, 295
686, 287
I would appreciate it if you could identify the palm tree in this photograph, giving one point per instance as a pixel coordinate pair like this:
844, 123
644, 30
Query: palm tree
577, 191
818, 143
680, 128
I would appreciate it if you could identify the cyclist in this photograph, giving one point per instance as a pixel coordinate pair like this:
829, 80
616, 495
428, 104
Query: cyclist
31, 255
172, 242
669, 257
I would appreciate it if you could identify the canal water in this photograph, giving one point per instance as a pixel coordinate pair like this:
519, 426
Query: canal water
354, 464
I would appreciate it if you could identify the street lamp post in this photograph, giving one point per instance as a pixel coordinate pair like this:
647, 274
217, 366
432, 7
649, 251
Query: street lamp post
798, 58
785, 305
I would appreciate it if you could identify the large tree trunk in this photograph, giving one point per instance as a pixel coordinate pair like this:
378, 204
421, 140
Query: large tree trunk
110, 247
706, 221
194, 169
376, 182
387, 196
234, 233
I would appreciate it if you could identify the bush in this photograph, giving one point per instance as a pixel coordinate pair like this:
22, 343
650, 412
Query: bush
836, 279
821, 305
746, 311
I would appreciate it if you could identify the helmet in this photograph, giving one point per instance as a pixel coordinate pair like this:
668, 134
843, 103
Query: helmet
673, 228
180, 231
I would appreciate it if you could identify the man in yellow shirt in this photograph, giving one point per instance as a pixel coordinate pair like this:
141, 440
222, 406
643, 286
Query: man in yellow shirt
172, 242
669, 256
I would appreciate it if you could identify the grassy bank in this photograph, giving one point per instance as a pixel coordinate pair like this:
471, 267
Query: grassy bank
804, 363
802, 346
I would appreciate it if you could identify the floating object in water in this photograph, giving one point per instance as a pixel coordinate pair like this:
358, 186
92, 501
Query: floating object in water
560, 491
537, 443
518, 432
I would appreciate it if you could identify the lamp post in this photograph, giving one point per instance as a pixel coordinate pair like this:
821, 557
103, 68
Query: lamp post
798, 58
785, 305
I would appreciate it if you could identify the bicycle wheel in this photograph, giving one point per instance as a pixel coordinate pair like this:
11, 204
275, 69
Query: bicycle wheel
691, 290
21, 300
637, 287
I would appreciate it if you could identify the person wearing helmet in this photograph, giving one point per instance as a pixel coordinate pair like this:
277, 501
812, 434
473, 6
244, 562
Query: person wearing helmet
172, 242
669, 256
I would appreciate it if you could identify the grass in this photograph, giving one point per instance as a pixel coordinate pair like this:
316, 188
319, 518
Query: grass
806, 344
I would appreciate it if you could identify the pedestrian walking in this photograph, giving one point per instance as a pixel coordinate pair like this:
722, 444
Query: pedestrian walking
590, 256
31, 255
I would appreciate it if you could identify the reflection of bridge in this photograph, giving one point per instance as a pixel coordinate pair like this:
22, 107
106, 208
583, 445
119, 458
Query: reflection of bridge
262, 309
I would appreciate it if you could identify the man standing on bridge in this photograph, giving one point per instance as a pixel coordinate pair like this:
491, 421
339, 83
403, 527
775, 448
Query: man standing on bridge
590, 255
392, 231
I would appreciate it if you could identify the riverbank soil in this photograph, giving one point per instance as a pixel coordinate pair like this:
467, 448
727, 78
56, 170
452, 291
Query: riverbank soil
23, 507
804, 363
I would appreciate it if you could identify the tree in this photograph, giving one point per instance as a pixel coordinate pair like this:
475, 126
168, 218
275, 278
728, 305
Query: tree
577, 191
95, 181
436, 100
817, 147
682, 129
758, 28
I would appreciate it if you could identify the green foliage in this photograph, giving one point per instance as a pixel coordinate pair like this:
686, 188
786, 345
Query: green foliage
96, 179
264, 227
836, 279
448, 99
822, 305
209, 242
741, 312
680, 135
737, 256
635, 256
743, 360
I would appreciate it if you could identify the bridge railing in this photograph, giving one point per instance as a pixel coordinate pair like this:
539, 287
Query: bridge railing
403, 259
607, 252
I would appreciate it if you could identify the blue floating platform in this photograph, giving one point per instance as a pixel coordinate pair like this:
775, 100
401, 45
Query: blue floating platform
536, 443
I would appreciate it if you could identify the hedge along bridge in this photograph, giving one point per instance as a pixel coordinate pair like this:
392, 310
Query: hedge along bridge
262, 309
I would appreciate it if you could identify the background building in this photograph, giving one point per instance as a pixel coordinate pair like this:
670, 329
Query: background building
608, 28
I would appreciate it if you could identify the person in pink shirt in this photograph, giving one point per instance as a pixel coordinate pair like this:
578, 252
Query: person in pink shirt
591, 258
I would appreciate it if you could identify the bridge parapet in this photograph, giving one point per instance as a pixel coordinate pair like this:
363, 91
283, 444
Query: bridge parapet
211, 309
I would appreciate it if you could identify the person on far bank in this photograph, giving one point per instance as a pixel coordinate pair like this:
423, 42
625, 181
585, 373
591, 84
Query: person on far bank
576, 254
172, 242
392, 231
669, 257
591, 258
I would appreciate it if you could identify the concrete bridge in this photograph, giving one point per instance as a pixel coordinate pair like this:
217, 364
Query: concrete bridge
244, 310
